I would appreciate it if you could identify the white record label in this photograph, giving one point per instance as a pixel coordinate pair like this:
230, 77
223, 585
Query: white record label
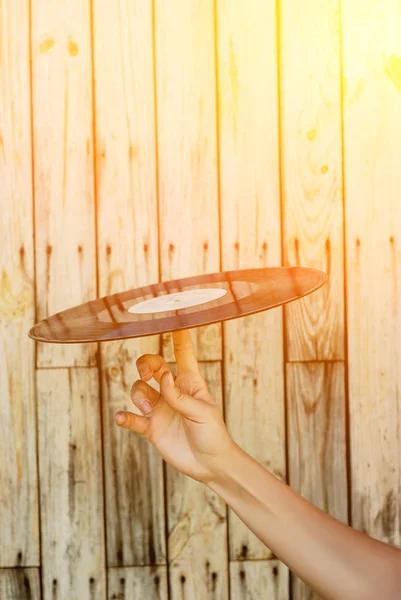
177, 300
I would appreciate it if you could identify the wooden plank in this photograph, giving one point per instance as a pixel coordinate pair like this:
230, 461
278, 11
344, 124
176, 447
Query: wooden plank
130, 583
253, 347
311, 151
197, 539
71, 487
133, 471
316, 441
63, 150
372, 84
187, 149
19, 584
252, 580
19, 540
128, 257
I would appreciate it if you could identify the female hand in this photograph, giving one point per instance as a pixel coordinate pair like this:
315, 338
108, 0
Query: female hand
184, 423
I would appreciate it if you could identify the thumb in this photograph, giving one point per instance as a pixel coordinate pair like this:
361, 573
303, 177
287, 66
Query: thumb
183, 403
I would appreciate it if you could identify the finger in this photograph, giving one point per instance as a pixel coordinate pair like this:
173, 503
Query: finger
184, 352
144, 396
133, 422
188, 406
151, 365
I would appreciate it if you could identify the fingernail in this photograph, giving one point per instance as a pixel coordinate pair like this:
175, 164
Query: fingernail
120, 418
145, 406
144, 371
170, 380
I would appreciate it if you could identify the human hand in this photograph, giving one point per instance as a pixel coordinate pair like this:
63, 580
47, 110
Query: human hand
184, 423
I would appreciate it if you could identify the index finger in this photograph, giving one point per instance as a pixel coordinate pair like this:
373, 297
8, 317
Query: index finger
184, 352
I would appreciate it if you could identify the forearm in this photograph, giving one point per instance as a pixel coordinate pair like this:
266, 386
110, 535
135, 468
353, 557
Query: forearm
334, 560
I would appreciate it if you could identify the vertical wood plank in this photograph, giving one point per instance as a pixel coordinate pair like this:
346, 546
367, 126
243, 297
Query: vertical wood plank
197, 542
311, 151
63, 150
149, 583
253, 580
187, 149
316, 434
19, 584
128, 257
71, 488
316, 440
133, 473
19, 539
253, 347
372, 138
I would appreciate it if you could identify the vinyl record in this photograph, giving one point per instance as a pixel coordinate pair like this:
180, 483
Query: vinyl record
178, 304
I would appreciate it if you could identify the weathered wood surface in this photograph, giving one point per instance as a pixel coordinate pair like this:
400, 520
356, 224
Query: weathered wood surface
372, 140
63, 167
312, 209
132, 583
257, 579
71, 484
316, 435
187, 149
311, 153
20, 584
250, 214
19, 522
317, 442
197, 526
133, 472
128, 258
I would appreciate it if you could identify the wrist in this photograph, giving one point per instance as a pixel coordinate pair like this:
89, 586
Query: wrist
227, 469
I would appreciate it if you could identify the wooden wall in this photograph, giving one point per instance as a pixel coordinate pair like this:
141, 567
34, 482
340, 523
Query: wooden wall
142, 141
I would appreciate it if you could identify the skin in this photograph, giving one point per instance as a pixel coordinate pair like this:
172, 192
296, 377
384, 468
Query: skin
186, 426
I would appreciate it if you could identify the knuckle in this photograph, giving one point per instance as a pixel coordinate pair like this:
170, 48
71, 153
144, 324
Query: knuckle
139, 386
142, 359
129, 421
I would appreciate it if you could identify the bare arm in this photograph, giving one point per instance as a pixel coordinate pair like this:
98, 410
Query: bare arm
335, 560
186, 426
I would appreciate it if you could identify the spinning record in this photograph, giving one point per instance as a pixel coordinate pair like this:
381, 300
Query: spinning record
178, 304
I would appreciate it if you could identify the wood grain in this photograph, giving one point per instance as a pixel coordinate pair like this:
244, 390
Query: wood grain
19, 524
256, 579
133, 472
311, 157
71, 487
128, 258
372, 137
63, 167
187, 148
250, 208
131, 583
317, 442
19, 584
197, 525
